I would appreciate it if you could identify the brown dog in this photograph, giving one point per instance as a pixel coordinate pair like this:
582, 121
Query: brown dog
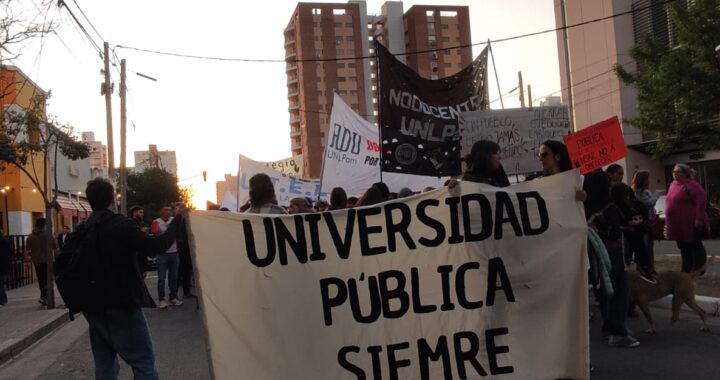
680, 285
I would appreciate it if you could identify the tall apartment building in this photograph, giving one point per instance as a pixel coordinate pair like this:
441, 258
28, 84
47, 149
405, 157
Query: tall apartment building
98, 155
152, 158
345, 30
598, 93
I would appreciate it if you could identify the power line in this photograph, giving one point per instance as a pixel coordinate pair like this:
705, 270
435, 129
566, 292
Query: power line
88, 20
62, 3
229, 59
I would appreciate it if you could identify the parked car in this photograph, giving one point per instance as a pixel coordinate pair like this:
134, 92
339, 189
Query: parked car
713, 216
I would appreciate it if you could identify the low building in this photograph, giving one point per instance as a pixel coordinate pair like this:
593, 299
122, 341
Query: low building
152, 158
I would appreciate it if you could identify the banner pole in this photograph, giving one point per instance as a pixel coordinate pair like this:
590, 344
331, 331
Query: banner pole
497, 81
379, 118
325, 150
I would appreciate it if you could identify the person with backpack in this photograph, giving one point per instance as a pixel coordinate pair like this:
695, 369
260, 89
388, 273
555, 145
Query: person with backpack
98, 274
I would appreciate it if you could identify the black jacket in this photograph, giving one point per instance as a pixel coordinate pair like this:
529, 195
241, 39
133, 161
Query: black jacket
5, 256
121, 243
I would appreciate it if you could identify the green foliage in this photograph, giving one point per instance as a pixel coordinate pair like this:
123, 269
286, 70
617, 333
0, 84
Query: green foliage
152, 189
679, 87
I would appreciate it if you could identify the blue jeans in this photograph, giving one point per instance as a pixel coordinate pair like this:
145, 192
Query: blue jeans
167, 266
121, 332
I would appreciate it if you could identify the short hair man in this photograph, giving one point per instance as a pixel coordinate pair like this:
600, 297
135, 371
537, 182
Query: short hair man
42, 247
168, 262
62, 236
118, 325
616, 173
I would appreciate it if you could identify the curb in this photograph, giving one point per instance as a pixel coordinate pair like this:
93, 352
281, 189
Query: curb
711, 305
11, 348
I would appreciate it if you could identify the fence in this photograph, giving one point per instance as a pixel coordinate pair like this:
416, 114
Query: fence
21, 272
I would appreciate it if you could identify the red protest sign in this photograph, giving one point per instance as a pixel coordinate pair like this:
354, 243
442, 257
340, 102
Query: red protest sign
597, 145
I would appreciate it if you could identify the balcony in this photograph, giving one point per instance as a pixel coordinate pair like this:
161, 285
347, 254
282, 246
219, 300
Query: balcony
290, 55
292, 81
290, 67
295, 133
293, 106
296, 147
294, 120
289, 42
290, 28
293, 93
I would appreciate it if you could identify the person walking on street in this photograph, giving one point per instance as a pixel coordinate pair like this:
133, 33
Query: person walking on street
168, 262
43, 248
185, 271
5, 266
686, 219
116, 322
63, 236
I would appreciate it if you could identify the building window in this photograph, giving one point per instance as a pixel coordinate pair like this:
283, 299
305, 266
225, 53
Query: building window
339, 52
351, 65
448, 65
433, 76
444, 26
341, 65
316, 24
429, 13
431, 26
338, 40
448, 13
353, 93
348, 25
338, 25
317, 11
341, 79
445, 39
338, 12
353, 79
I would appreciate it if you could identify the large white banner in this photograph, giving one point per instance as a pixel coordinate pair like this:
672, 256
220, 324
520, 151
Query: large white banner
518, 131
352, 156
287, 187
474, 282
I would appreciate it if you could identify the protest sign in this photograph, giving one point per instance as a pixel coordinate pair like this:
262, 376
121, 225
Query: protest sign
419, 116
292, 166
469, 282
287, 187
352, 156
518, 131
597, 145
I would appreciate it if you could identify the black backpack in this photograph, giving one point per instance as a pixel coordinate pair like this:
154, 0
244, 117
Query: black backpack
81, 271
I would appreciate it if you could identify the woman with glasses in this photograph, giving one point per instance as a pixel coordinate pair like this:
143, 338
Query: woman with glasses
554, 158
686, 219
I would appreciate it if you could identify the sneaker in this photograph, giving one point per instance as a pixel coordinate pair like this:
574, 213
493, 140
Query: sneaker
626, 341
42, 301
176, 302
163, 304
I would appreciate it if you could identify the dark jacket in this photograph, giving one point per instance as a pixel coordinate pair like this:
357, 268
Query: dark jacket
42, 246
5, 256
121, 242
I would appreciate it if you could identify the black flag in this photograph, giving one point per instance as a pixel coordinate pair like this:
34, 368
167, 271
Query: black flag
419, 117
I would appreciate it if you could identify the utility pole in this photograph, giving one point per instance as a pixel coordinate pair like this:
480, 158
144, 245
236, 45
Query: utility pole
529, 97
568, 77
107, 90
123, 139
520, 87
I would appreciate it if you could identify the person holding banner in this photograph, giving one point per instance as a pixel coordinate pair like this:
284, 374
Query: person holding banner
484, 166
686, 219
554, 158
262, 196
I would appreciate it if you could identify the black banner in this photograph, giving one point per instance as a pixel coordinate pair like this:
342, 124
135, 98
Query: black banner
419, 117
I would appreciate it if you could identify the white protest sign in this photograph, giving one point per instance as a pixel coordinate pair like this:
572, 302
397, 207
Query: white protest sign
286, 187
518, 131
474, 282
291, 165
352, 156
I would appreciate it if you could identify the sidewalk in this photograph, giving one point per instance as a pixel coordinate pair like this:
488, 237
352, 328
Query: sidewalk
23, 321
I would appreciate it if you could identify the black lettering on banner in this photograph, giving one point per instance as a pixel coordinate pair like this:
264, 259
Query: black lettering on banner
374, 352
375, 304
393, 363
297, 243
365, 231
485, 215
418, 307
493, 351
398, 293
330, 302
430, 222
444, 271
462, 356
529, 230
503, 204
455, 236
427, 354
342, 359
317, 254
250, 243
496, 268
400, 227
460, 286
342, 246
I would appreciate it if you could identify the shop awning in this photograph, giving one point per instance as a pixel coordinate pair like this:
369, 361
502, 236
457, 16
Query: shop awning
67, 207
86, 207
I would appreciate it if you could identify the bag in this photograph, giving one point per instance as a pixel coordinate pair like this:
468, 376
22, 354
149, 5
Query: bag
80, 275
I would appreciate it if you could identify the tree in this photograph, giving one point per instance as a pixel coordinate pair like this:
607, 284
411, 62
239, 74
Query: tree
152, 189
679, 86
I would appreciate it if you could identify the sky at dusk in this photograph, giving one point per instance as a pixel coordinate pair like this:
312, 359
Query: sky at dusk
211, 111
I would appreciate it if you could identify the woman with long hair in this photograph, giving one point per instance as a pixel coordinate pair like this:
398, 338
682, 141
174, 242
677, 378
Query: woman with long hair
686, 219
484, 165
554, 158
648, 199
